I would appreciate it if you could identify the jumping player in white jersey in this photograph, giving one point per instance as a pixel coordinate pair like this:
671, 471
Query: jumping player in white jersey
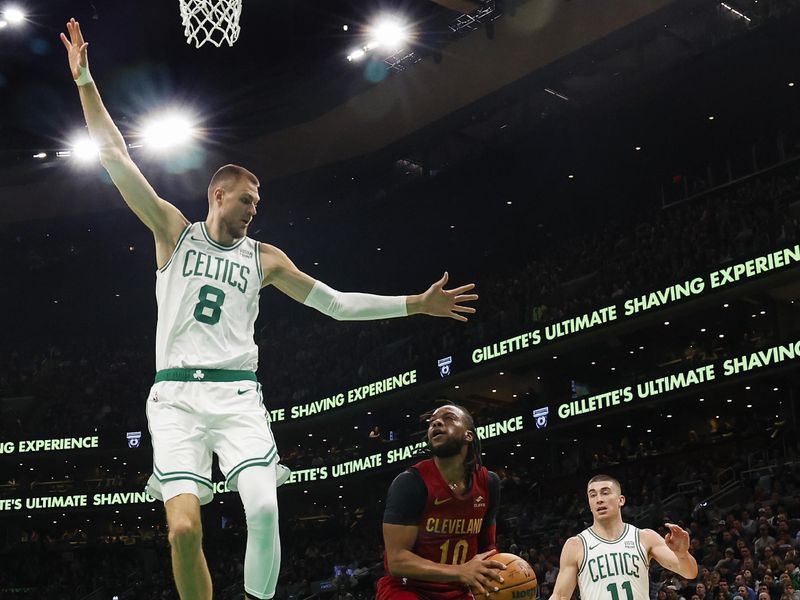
610, 559
206, 398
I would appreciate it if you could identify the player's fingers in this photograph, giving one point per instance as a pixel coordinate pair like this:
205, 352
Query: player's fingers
466, 297
464, 309
487, 584
65, 41
78, 32
494, 573
458, 317
462, 289
495, 564
484, 555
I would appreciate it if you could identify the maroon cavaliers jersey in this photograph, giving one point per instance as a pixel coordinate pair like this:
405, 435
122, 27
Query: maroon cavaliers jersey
449, 524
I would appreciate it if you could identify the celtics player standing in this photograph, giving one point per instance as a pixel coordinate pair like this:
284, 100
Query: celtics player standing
610, 559
206, 398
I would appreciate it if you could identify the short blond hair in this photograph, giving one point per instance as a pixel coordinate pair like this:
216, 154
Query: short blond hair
230, 175
602, 477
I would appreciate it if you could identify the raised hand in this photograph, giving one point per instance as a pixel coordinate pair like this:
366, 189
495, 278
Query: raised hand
439, 302
677, 539
76, 48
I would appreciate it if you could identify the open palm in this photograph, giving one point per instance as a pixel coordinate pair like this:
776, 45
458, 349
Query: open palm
76, 48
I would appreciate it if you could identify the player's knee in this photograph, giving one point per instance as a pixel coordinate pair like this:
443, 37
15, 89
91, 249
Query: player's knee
263, 514
185, 534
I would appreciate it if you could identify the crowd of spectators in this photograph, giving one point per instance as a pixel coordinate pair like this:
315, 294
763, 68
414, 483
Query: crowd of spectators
105, 378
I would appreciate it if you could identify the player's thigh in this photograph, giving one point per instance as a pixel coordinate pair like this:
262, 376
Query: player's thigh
178, 436
243, 437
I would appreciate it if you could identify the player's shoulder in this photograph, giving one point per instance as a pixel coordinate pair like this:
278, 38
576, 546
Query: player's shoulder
409, 482
648, 537
409, 477
271, 256
573, 550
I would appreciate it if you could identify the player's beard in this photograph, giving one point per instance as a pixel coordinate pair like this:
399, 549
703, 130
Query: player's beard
450, 448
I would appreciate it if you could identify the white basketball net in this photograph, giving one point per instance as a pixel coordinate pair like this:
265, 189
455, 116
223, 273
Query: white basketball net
214, 21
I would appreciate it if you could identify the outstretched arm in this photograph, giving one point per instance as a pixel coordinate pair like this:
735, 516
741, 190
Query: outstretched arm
671, 552
163, 219
436, 301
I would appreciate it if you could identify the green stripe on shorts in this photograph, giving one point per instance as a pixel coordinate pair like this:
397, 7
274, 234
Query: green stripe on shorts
253, 462
201, 375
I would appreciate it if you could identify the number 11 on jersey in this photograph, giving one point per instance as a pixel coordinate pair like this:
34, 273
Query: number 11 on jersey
612, 588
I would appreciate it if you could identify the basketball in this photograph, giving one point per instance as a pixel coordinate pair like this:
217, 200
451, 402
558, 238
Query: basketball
519, 579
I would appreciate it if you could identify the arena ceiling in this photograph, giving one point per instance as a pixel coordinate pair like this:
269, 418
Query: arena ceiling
284, 99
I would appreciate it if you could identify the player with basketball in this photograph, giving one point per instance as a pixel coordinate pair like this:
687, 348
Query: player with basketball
206, 398
439, 522
610, 560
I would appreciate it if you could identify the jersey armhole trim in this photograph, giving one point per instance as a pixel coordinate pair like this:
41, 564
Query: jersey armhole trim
177, 245
641, 548
585, 554
258, 265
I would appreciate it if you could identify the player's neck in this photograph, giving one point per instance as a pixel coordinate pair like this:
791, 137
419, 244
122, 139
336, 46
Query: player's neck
451, 468
609, 530
218, 232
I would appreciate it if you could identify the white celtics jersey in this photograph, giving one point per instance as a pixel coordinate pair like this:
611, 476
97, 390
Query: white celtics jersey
208, 303
613, 569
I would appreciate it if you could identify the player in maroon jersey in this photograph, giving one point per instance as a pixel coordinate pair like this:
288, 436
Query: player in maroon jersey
439, 523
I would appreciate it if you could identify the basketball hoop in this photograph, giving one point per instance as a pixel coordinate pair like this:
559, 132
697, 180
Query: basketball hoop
214, 21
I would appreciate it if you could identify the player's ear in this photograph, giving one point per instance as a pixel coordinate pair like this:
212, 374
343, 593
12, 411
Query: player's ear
469, 435
621, 500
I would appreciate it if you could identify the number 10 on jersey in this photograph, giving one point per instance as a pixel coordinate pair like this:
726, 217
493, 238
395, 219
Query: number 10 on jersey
460, 550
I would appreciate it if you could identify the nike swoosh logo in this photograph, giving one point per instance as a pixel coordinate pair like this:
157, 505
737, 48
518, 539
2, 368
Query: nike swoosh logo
593, 547
240, 392
195, 239
437, 502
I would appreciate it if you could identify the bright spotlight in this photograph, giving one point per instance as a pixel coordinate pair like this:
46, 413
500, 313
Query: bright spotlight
3, 24
355, 55
389, 33
14, 15
84, 149
168, 131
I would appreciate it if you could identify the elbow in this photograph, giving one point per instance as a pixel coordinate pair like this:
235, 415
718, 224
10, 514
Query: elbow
394, 566
112, 156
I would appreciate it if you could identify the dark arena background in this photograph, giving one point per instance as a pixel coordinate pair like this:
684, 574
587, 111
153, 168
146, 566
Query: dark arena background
620, 178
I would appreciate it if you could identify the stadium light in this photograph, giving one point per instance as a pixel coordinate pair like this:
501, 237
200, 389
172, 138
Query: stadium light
84, 149
3, 25
356, 54
13, 15
389, 33
167, 131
